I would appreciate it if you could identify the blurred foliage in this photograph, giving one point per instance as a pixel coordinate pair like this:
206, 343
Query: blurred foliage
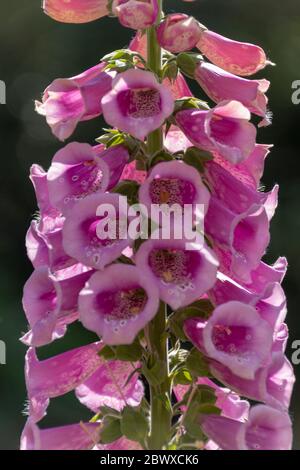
33, 51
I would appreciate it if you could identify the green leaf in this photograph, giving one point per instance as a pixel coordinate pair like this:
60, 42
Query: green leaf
197, 364
111, 430
205, 395
197, 158
170, 70
129, 352
115, 140
108, 411
188, 442
192, 420
187, 62
158, 157
209, 409
156, 374
183, 377
134, 424
107, 353
205, 306
190, 103
129, 189
125, 260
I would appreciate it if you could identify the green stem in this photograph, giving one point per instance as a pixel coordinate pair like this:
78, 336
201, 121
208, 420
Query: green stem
161, 412
155, 139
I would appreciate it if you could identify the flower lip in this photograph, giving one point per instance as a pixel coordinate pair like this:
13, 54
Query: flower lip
174, 182
178, 32
67, 101
79, 436
137, 103
267, 429
136, 14
220, 86
75, 11
181, 275
117, 303
50, 302
224, 128
102, 389
55, 376
238, 337
81, 234
75, 173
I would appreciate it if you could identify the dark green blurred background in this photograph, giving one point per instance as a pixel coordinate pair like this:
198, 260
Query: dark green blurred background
33, 51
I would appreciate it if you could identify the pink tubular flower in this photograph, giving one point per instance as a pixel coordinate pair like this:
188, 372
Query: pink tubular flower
266, 429
231, 405
50, 302
36, 247
236, 57
178, 87
137, 103
136, 14
108, 386
58, 375
75, 11
250, 171
97, 238
75, 173
176, 141
67, 101
221, 86
44, 244
243, 238
130, 172
270, 303
233, 192
181, 275
38, 177
80, 436
264, 274
119, 444
116, 158
272, 384
236, 336
118, 302
96, 382
224, 129
178, 33
174, 183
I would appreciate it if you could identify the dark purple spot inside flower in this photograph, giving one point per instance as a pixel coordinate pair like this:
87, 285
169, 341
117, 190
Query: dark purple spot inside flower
231, 339
258, 437
222, 128
172, 191
89, 228
84, 178
121, 304
140, 102
50, 299
174, 266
